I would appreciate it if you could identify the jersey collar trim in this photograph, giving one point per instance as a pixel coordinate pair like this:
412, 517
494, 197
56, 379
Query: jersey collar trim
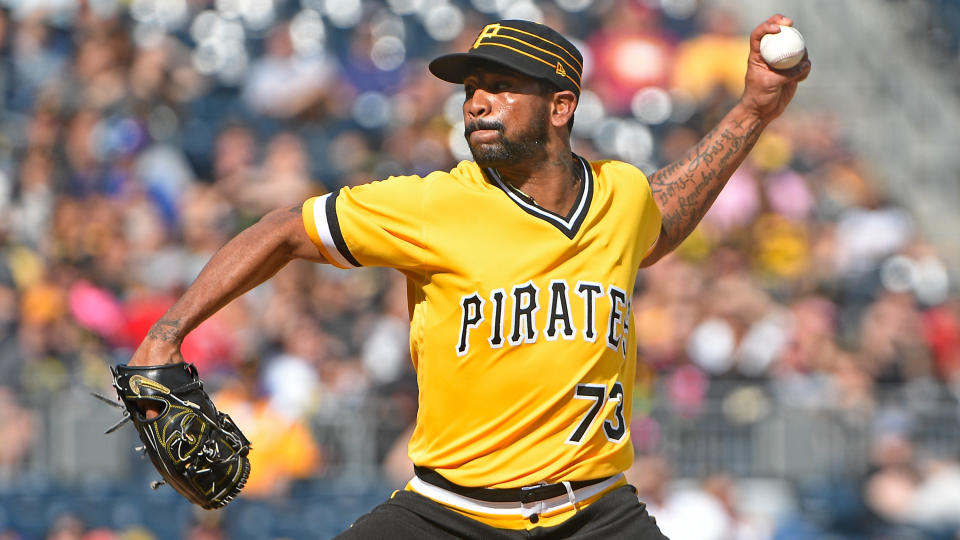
569, 225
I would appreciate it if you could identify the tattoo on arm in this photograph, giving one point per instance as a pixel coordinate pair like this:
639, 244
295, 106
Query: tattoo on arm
297, 209
167, 330
685, 189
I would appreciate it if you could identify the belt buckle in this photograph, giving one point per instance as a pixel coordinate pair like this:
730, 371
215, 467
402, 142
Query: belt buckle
528, 493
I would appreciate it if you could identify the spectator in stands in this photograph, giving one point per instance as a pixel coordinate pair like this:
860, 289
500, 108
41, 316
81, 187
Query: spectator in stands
18, 428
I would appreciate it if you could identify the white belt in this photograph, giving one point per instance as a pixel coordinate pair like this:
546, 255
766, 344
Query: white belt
560, 503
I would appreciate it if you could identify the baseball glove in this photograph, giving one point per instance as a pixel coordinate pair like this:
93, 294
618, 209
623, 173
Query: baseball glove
199, 451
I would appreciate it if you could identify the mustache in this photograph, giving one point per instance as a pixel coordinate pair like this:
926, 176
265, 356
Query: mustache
482, 124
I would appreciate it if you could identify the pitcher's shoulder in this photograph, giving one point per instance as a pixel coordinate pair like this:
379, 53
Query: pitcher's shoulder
615, 172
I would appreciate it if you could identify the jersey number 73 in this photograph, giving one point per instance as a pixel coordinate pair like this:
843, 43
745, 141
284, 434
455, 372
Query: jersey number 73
614, 429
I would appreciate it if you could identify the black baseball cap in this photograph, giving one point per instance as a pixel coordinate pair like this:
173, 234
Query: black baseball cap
528, 47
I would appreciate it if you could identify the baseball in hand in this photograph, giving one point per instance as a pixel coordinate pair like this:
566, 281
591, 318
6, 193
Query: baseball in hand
783, 50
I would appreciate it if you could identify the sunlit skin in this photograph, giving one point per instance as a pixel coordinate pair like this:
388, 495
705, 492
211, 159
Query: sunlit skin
517, 126
491, 97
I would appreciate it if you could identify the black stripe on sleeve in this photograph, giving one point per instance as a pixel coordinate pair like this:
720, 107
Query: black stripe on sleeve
334, 224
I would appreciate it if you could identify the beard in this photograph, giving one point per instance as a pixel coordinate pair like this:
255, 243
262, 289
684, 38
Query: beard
504, 151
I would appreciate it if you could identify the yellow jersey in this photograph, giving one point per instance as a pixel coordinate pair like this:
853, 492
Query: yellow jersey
520, 318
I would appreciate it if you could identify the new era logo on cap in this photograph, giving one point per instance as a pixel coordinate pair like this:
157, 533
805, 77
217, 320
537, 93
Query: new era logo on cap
528, 47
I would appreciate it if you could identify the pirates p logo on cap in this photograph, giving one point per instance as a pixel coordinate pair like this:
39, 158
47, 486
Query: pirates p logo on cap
489, 30
527, 47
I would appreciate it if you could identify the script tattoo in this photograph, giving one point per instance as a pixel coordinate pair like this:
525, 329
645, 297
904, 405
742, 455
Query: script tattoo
167, 330
686, 188
563, 160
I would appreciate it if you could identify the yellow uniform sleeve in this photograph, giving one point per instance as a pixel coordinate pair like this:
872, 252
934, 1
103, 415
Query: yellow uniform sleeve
375, 224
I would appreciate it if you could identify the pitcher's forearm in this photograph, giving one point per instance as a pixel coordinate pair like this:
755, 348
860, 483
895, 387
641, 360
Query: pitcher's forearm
247, 260
685, 189
238, 267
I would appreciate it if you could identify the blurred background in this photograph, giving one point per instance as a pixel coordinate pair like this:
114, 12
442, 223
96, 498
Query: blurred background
800, 353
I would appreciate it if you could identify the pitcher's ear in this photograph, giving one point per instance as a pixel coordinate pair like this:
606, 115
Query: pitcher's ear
562, 107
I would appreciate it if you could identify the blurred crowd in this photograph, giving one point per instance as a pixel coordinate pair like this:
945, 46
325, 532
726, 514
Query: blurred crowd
137, 136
